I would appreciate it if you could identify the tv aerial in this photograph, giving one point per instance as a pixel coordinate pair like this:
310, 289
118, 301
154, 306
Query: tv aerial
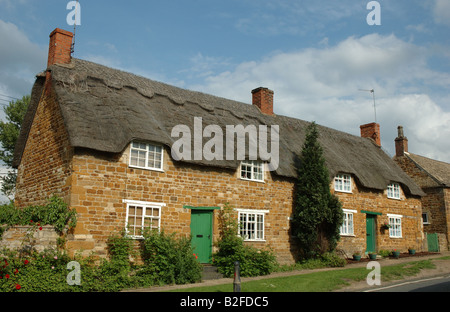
374, 105
77, 13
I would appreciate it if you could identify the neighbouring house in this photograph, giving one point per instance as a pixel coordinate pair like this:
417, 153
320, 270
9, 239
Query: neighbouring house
433, 177
102, 139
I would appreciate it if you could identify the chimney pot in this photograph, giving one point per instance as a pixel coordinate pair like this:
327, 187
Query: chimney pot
263, 99
371, 131
60, 47
401, 143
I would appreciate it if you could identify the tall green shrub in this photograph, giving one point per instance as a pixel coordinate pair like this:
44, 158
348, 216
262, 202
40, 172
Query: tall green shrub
168, 259
317, 213
253, 261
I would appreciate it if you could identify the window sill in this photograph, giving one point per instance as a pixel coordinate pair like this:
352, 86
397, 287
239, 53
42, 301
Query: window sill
255, 240
148, 169
348, 235
259, 181
347, 192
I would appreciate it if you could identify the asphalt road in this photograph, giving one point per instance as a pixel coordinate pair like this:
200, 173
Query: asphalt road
432, 284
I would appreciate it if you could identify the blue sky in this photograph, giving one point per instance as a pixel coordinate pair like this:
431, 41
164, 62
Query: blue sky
315, 55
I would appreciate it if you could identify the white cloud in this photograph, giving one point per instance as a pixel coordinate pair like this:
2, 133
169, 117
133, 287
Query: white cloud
20, 60
442, 12
322, 84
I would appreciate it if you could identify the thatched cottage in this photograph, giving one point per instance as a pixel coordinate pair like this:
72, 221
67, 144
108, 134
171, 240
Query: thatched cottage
433, 177
103, 140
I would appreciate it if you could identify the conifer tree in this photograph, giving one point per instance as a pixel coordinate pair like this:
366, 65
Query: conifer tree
317, 213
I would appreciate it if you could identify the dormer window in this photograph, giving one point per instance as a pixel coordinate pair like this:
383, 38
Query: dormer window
146, 156
252, 170
393, 191
343, 183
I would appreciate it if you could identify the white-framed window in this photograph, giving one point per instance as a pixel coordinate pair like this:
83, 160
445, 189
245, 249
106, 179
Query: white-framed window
251, 224
343, 183
393, 191
425, 218
347, 225
146, 156
140, 216
252, 170
395, 222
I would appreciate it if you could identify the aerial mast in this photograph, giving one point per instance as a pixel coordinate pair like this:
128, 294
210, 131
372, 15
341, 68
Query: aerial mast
374, 104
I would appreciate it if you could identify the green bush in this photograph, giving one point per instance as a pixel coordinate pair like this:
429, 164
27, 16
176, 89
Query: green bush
169, 260
252, 261
36, 272
55, 213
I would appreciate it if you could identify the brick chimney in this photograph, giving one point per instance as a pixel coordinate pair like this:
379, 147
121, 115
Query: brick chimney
263, 99
371, 131
401, 143
60, 47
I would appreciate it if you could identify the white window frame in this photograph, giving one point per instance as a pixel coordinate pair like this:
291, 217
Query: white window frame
347, 228
343, 183
395, 222
426, 219
146, 208
254, 224
147, 152
252, 166
393, 190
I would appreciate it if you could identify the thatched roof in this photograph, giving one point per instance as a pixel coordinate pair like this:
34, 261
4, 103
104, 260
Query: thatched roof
105, 109
439, 171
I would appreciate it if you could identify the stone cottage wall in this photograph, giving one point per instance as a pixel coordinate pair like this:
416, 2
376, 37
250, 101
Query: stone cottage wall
362, 200
102, 183
436, 203
26, 238
45, 167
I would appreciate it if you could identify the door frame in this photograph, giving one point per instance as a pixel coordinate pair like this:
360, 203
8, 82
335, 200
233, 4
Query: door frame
371, 230
210, 212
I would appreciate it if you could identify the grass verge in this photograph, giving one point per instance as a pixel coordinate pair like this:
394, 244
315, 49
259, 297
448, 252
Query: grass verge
323, 281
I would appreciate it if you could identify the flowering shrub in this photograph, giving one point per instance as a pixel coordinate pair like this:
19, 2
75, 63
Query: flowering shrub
55, 213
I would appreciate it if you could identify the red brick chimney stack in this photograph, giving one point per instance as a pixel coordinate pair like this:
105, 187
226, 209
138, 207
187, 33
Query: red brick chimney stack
371, 131
263, 99
401, 143
60, 47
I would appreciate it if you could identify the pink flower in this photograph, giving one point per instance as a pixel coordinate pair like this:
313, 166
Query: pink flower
55, 257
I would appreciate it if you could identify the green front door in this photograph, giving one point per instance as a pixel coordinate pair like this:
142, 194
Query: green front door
201, 231
371, 233
433, 242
